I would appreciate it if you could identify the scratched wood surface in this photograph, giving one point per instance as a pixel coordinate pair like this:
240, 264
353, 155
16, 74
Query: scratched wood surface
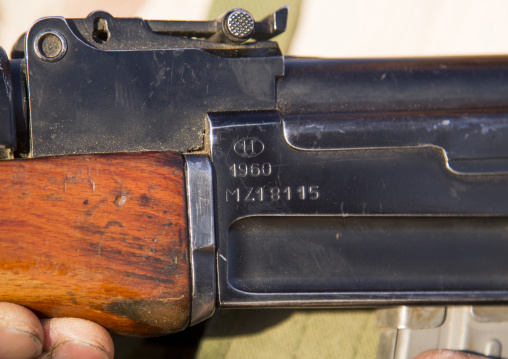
100, 237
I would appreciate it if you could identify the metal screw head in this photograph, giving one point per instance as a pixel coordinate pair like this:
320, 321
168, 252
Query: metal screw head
240, 23
50, 45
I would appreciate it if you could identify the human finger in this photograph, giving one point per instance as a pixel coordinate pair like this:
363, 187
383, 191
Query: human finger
21, 333
76, 338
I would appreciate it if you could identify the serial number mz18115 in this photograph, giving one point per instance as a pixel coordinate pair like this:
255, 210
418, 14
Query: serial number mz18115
260, 194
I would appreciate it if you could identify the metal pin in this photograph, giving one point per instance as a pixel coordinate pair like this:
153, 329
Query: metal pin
234, 27
239, 24
50, 45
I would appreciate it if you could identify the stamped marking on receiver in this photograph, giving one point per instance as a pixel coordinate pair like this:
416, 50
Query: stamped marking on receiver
272, 194
248, 147
251, 170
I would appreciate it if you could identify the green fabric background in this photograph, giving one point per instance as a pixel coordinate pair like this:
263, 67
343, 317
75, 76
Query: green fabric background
276, 333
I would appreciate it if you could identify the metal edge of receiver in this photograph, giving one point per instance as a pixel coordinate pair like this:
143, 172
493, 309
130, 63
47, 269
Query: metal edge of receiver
200, 208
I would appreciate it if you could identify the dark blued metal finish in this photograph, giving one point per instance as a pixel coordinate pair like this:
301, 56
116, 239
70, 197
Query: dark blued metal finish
473, 142
200, 207
367, 254
96, 100
203, 29
124, 87
393, 85
7, 137
353, 226
272, 25
225, 29
20, 107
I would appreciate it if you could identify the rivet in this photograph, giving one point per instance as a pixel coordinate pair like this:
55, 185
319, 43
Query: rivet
50, 45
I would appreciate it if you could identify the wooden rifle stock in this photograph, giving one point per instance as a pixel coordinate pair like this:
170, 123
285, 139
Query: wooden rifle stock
101, 237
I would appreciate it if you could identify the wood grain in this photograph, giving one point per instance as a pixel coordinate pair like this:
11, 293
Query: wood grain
100, 237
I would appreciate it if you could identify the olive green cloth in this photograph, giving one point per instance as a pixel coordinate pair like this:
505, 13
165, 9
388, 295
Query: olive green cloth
301, 334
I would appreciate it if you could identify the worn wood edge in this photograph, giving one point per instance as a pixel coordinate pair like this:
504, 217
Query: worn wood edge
160, 310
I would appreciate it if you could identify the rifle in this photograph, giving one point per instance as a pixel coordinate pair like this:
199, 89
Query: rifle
156, 170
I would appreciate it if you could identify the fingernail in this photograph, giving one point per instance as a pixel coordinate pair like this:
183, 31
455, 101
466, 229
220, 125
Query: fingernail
77, 349
17, 344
